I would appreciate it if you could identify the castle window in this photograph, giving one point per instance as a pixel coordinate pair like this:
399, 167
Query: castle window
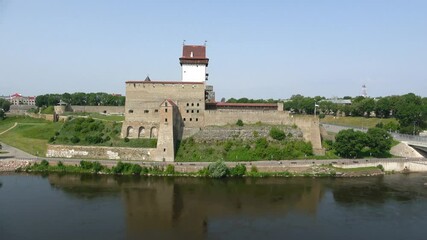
166, 110
130, 111
184, 119
188, 111
197, 104
192, 111
156, 110
164, 149
188, 104
146, 111
191, 119
166, 120
166, 104
197, 119
192, 104
197, 111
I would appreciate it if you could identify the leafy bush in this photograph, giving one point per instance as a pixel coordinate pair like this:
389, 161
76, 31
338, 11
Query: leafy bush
126, 139
44, 163
238, 171
277, 134
75, 139
218, 169
254, 169
136, 169
239, 123
170, 169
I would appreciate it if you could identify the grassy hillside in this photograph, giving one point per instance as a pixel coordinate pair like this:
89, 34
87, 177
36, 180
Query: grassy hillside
88, 131
243, 150
361, 122
31, 135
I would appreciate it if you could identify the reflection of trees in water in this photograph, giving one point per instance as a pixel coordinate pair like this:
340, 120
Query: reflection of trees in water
375, 190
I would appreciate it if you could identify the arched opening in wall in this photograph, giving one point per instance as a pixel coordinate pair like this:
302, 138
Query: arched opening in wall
129, 132
141, 132
153, 132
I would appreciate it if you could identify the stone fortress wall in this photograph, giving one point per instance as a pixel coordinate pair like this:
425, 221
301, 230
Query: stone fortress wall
143, 99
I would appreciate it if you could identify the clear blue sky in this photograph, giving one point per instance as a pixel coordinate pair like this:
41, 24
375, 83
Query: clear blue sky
257, 49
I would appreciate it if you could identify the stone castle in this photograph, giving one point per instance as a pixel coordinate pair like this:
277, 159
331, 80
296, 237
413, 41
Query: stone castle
173, 110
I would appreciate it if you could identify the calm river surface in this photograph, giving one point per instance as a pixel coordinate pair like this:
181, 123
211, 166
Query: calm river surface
108, 207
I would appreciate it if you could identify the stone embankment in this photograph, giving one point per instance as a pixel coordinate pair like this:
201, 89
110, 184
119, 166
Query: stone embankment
11, 165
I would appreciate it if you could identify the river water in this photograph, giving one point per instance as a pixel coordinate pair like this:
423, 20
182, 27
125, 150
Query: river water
111, 207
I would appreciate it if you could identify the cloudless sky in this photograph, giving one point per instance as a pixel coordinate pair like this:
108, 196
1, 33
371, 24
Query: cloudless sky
257, 49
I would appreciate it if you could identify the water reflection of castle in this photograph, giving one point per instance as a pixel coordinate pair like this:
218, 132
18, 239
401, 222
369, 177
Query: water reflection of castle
182, 207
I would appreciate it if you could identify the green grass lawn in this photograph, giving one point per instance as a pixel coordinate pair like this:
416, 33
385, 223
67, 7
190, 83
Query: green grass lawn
356, 121
30, 135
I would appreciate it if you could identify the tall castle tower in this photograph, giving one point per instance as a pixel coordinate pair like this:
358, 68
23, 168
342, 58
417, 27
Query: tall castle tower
194, 63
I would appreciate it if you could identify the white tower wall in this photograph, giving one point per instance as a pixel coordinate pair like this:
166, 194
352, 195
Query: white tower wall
193, 72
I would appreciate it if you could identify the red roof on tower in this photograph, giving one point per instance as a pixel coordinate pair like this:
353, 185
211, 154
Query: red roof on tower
194, 54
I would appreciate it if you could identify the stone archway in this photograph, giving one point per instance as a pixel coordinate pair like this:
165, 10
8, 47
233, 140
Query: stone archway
141, 132
129, 132
153, 132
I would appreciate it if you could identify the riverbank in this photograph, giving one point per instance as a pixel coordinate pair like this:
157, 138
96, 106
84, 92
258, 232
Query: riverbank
12, 165
215, 170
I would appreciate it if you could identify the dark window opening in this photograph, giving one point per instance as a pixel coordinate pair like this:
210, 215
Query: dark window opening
197, 104
156, 110
184, 119
192, 104
188, 104
192, 111
164, 149
131, 111
191, 119
197, 111
197, 119
166, 110
188, 111
166, 120
146, 111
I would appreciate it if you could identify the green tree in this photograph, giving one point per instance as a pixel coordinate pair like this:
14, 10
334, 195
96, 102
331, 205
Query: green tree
2, 114
409, 112
5, 105
350, 143
383, 107
379, 142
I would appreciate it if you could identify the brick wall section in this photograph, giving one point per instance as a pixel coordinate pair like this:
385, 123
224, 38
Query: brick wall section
92, 152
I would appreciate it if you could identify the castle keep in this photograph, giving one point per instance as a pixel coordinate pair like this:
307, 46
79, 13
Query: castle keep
173, 110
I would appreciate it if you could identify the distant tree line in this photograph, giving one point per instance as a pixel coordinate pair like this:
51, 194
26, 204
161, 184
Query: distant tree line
80, 98
409, 109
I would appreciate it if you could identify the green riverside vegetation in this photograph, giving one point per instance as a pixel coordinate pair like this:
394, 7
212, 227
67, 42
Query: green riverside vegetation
214, 170
243, 150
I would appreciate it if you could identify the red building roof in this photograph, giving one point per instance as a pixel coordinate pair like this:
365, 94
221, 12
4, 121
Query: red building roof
194, 54
194, 51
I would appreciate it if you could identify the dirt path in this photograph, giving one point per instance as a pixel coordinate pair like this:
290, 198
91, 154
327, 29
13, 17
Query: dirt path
5, 131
